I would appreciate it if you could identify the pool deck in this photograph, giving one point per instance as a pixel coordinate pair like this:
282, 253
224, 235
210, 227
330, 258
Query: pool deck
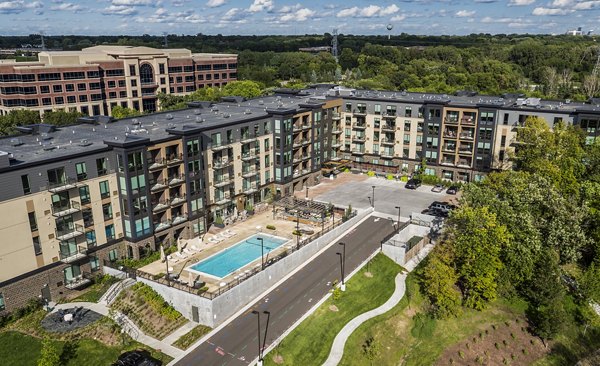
254, 224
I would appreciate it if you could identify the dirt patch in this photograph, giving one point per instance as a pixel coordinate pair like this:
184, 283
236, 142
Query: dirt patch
508, 343
333, 308
368, 274
278, 359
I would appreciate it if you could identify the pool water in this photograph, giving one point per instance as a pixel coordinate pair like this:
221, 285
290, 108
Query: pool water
238, 255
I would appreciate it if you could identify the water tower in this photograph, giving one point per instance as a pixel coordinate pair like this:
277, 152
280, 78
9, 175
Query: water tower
389, 28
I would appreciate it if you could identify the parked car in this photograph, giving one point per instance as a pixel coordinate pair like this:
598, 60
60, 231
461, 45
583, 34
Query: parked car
442, 206
137, 358
413, 183
437, 188
453, 190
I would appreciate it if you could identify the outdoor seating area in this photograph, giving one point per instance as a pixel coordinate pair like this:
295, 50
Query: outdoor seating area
62, 321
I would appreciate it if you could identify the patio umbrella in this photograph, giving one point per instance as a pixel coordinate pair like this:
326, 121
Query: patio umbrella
179, 244
235, 211
191, 279
162, 253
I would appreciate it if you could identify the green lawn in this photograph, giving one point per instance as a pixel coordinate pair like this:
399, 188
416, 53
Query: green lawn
309, 344
23, 350
191, 337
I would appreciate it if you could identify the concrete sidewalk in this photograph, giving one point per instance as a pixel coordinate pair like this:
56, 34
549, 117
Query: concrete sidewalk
337, 348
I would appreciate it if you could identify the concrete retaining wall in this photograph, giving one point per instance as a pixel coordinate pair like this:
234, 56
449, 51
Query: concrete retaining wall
395, 248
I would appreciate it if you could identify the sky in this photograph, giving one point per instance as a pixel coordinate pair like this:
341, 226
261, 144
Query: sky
246, 17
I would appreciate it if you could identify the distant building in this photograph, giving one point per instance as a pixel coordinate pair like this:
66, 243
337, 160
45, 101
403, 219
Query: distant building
315, 49
578, 32
96, 79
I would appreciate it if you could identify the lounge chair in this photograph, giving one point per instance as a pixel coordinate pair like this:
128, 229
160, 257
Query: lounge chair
214, 240
231, 232
189, 251
172, 259
225, 235
196, 248
221, 237
181, 255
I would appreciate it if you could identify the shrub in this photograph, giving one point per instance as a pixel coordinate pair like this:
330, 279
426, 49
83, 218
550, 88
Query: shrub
512, 335
249, 207
371, 173
156, 301
297, 233
219, 220
497, 345
336, 294
461, 354
390, 177
32, 306
202, 289
270, 227
158, 276
404, 178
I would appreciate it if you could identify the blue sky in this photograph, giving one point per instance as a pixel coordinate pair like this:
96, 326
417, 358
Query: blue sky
18, 17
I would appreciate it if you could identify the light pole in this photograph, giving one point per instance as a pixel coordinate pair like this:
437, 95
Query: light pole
398, 207
343, 265
306, 192
297, 229
259, 348
268, 313
373, 196
262, 252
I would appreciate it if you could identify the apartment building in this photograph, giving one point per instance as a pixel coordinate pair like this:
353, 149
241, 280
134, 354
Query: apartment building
96, 79
106, 190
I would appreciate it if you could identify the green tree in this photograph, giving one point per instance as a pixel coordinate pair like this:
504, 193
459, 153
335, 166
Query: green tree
17, 117
49, 355
439, 280
61, 117
119, 112
247, 89
371, 349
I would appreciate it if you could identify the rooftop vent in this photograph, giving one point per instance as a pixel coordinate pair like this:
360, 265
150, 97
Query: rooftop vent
169, 116
85, 142
568, 101
45, 136
199, 119
171, 125
135, 121
48, 147
261, 102
248, 111
197, 112
214, 109
16, 142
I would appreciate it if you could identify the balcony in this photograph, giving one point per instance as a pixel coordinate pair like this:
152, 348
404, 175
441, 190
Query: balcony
467, 120
387, 154
464, 164
359, 112
72, 256
78, 282
222, 199
249, 173
385, 141
359, 126
451, 121
248, 139
161, 225
305, 157
174, 159
297, 143
222, 181
448, 162
466, 136
175, 180
222, 164
358, 152
249, 189
389, 128
450, 134
179, 219
247, 156
158, 185
336, 131
64, 185
67, 209
177, 200
390, 115
358, 138
219, 146
297, 159
69, 233
336, 144
160, 205
297, 128
306, 142
306, 126
336, 116
449, 148
156, 164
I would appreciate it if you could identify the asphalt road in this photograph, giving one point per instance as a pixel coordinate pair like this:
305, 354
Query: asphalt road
388, 195
236, 344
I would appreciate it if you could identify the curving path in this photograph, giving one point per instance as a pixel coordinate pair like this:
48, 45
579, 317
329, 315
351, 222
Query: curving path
337, 348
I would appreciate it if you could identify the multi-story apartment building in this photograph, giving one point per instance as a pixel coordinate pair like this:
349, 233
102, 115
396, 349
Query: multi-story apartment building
106, 190
96, 79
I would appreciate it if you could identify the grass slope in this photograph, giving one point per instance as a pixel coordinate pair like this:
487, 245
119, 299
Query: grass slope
310, 342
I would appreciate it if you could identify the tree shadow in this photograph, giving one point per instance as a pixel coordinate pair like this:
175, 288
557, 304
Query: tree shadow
69, 351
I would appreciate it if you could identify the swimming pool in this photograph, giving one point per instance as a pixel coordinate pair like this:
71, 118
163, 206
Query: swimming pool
237, 256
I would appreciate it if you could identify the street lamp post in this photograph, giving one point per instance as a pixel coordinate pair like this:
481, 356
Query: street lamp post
306, 192
262, 252
373, 196
343, 265
398, 207
260, 362
297, 229
268, 314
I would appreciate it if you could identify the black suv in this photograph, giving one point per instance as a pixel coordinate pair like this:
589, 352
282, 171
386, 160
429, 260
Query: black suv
413, 183
453, 190
137, 358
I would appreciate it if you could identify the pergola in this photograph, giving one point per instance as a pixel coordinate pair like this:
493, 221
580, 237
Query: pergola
304, 209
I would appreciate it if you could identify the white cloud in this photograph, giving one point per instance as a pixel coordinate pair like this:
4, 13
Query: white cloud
290, 8
162, 15
260, 5
550, 11
398, 18
215, 3
67, 7
497, 20
19, 6
465, 13
119, 10
134, 2
371, 11
520, 2
299, 15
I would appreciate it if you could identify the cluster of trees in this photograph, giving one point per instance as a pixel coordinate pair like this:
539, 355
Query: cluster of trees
247, 89
21, 117
530, 233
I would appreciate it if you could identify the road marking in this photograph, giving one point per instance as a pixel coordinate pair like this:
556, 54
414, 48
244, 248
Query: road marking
310, 300
220, 351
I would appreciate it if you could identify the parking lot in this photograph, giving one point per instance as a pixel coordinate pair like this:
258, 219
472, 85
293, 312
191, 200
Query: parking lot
356, 190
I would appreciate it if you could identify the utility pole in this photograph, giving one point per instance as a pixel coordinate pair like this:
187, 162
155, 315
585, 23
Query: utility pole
334, 45
165, 40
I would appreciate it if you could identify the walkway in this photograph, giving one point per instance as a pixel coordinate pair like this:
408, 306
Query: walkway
337, 349
132, 330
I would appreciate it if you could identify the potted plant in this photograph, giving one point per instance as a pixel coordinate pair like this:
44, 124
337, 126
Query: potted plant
219, 222
249, 208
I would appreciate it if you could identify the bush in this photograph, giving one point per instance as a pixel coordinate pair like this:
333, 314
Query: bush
390, 177
296, 233
249, 207
158, 276
371, 173
270, 227
32, 306
219, 220
202, 289
156, 301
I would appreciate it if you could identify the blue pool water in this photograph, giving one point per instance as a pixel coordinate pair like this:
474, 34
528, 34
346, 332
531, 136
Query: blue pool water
238, 255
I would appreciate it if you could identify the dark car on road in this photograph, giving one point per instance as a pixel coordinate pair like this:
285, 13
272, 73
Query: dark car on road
137, 358
453, 190
413, 183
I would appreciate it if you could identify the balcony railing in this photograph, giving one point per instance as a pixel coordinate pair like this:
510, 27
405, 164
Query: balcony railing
467, 121
219, 146
336, 131
385, 141
359, 126
249, 173
176, 180
67, 209
248, 156
464, 164
160, 205
248, 139
72, 256
466, 136
174, 159
450, 134
162, 225
358, 152
158, 185
390, 115
451, 121
222, 181
222, 199
449, 148
391, 128
359, 112
69, 233
177, 200
358, 138
336, 116
336, 144
179, 219
80, 281
306, 126
387, 154
156, 163
222, 164
297, 128
63, 185
249, 189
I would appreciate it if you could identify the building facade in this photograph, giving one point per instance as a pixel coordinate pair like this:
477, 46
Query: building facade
96, 79
107, 190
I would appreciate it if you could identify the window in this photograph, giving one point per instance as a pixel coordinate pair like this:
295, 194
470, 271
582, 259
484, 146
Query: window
2, 303
378, 109
111, 84
37, 247
90, 238
121, 83
70, 87
44, 89
132, 70
57, 88
161, 69
94, 264
505, 119
59, 100
88, 217
84, 194
32, 221
110, 231
25, 184
104, 189
81, 171
146, 74
101, 166
112, 255
71, 99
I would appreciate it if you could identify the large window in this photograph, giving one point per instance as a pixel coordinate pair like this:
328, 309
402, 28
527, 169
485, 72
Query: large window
101, 166
57, 176
25, 184
107, 211
32, 221
81, 171
110, 231
104, 189
146, 74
